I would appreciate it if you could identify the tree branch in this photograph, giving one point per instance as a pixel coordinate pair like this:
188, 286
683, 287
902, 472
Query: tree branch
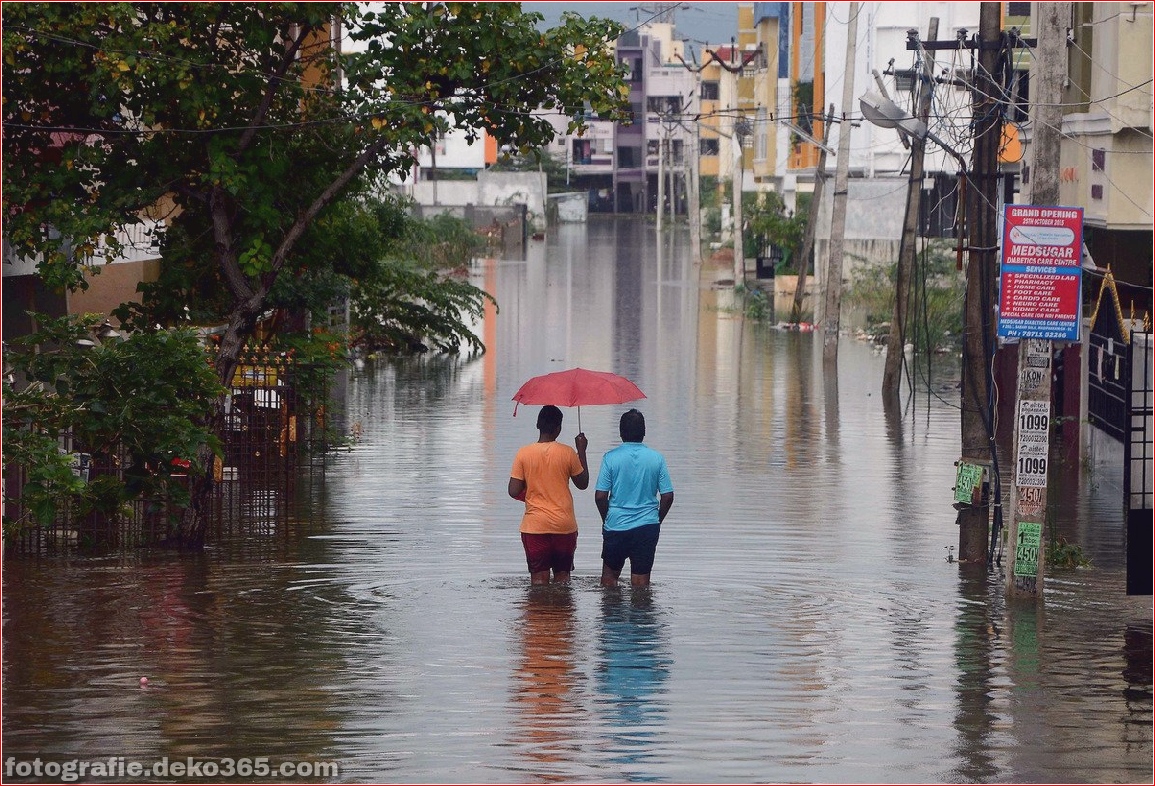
323, 199
274, 82
223, 247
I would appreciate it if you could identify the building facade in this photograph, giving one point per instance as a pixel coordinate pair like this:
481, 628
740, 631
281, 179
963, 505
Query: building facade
618, 164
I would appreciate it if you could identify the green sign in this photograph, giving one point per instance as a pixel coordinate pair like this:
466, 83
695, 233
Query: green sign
1027, 549
968, 483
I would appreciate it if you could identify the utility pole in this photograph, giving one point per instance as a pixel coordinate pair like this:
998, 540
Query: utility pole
892, 372
1029, 504
693, 208
694, 188
661, 177
740, 128
811, 219
830, 316
978, 440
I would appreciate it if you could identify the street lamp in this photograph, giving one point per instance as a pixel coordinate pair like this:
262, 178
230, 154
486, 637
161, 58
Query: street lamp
883, 112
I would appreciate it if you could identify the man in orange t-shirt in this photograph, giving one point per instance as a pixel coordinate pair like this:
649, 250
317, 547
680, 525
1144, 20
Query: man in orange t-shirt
541, 475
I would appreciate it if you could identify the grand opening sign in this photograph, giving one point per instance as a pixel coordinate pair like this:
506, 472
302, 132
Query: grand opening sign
1041, 291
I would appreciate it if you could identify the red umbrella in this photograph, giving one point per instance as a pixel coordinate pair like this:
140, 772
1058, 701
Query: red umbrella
575, 387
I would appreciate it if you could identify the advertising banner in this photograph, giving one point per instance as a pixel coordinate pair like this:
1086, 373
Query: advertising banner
1041, 281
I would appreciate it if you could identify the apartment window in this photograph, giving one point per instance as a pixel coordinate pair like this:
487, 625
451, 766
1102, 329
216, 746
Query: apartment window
661, 105
633, 68
1098, 160
708, 147
1018, 9
1096, 192
582, 150
629, 157
710, 91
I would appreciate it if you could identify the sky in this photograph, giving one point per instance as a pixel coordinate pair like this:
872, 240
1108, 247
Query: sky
700, 23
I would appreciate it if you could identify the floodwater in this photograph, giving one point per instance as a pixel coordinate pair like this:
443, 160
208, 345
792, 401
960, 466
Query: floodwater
805, 623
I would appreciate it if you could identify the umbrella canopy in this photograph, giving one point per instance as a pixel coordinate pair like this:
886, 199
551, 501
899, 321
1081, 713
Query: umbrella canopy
577, 387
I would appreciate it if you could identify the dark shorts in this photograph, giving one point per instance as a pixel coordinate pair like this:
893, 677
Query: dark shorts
637, 544
546, 551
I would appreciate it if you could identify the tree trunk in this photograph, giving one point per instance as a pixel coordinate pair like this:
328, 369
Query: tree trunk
202, 488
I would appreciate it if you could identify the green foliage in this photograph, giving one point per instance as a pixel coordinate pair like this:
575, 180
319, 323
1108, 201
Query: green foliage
708, 192
803, 95
143, 399
756, 303
936, 297
769, 223
219, 117
1061, 554
409, 298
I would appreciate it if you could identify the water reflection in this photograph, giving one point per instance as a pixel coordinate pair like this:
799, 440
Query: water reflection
976, 717
632, 669
547, 682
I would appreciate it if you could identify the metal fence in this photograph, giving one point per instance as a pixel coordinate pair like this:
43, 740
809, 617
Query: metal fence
275, 435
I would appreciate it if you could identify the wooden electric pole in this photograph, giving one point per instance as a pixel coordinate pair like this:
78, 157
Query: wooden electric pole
892, 371
803, 257
1028, 520
833, 303
978, 439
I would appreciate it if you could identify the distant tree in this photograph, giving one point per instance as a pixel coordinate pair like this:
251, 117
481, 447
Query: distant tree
770, 223
243, 126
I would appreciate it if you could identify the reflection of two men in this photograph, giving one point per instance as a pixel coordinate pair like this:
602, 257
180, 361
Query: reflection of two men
632, 666
545, 695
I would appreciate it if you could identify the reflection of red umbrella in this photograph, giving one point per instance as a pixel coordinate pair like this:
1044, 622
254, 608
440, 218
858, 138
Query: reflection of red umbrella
575, 387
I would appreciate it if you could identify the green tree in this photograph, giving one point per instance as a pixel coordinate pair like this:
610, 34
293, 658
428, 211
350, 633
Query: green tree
242, 125
405, 300
769, 222
144, 400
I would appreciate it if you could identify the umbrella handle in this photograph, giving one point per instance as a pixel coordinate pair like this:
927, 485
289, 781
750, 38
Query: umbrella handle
579, 420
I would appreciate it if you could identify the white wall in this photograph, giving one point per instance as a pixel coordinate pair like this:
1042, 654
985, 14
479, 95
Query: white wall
490, 189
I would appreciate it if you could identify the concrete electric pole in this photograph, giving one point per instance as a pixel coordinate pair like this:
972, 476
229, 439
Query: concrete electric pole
1033, 392
830, 316
741, 128
811, 219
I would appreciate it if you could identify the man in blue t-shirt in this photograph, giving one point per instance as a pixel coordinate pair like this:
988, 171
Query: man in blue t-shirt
633, 495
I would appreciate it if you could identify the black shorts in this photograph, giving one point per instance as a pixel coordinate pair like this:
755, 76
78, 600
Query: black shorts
637, 544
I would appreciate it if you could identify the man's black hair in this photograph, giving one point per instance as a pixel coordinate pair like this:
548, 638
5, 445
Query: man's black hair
549, 419
632, 426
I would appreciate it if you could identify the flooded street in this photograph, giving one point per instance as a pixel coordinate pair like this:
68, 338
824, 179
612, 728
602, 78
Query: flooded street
804, 623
